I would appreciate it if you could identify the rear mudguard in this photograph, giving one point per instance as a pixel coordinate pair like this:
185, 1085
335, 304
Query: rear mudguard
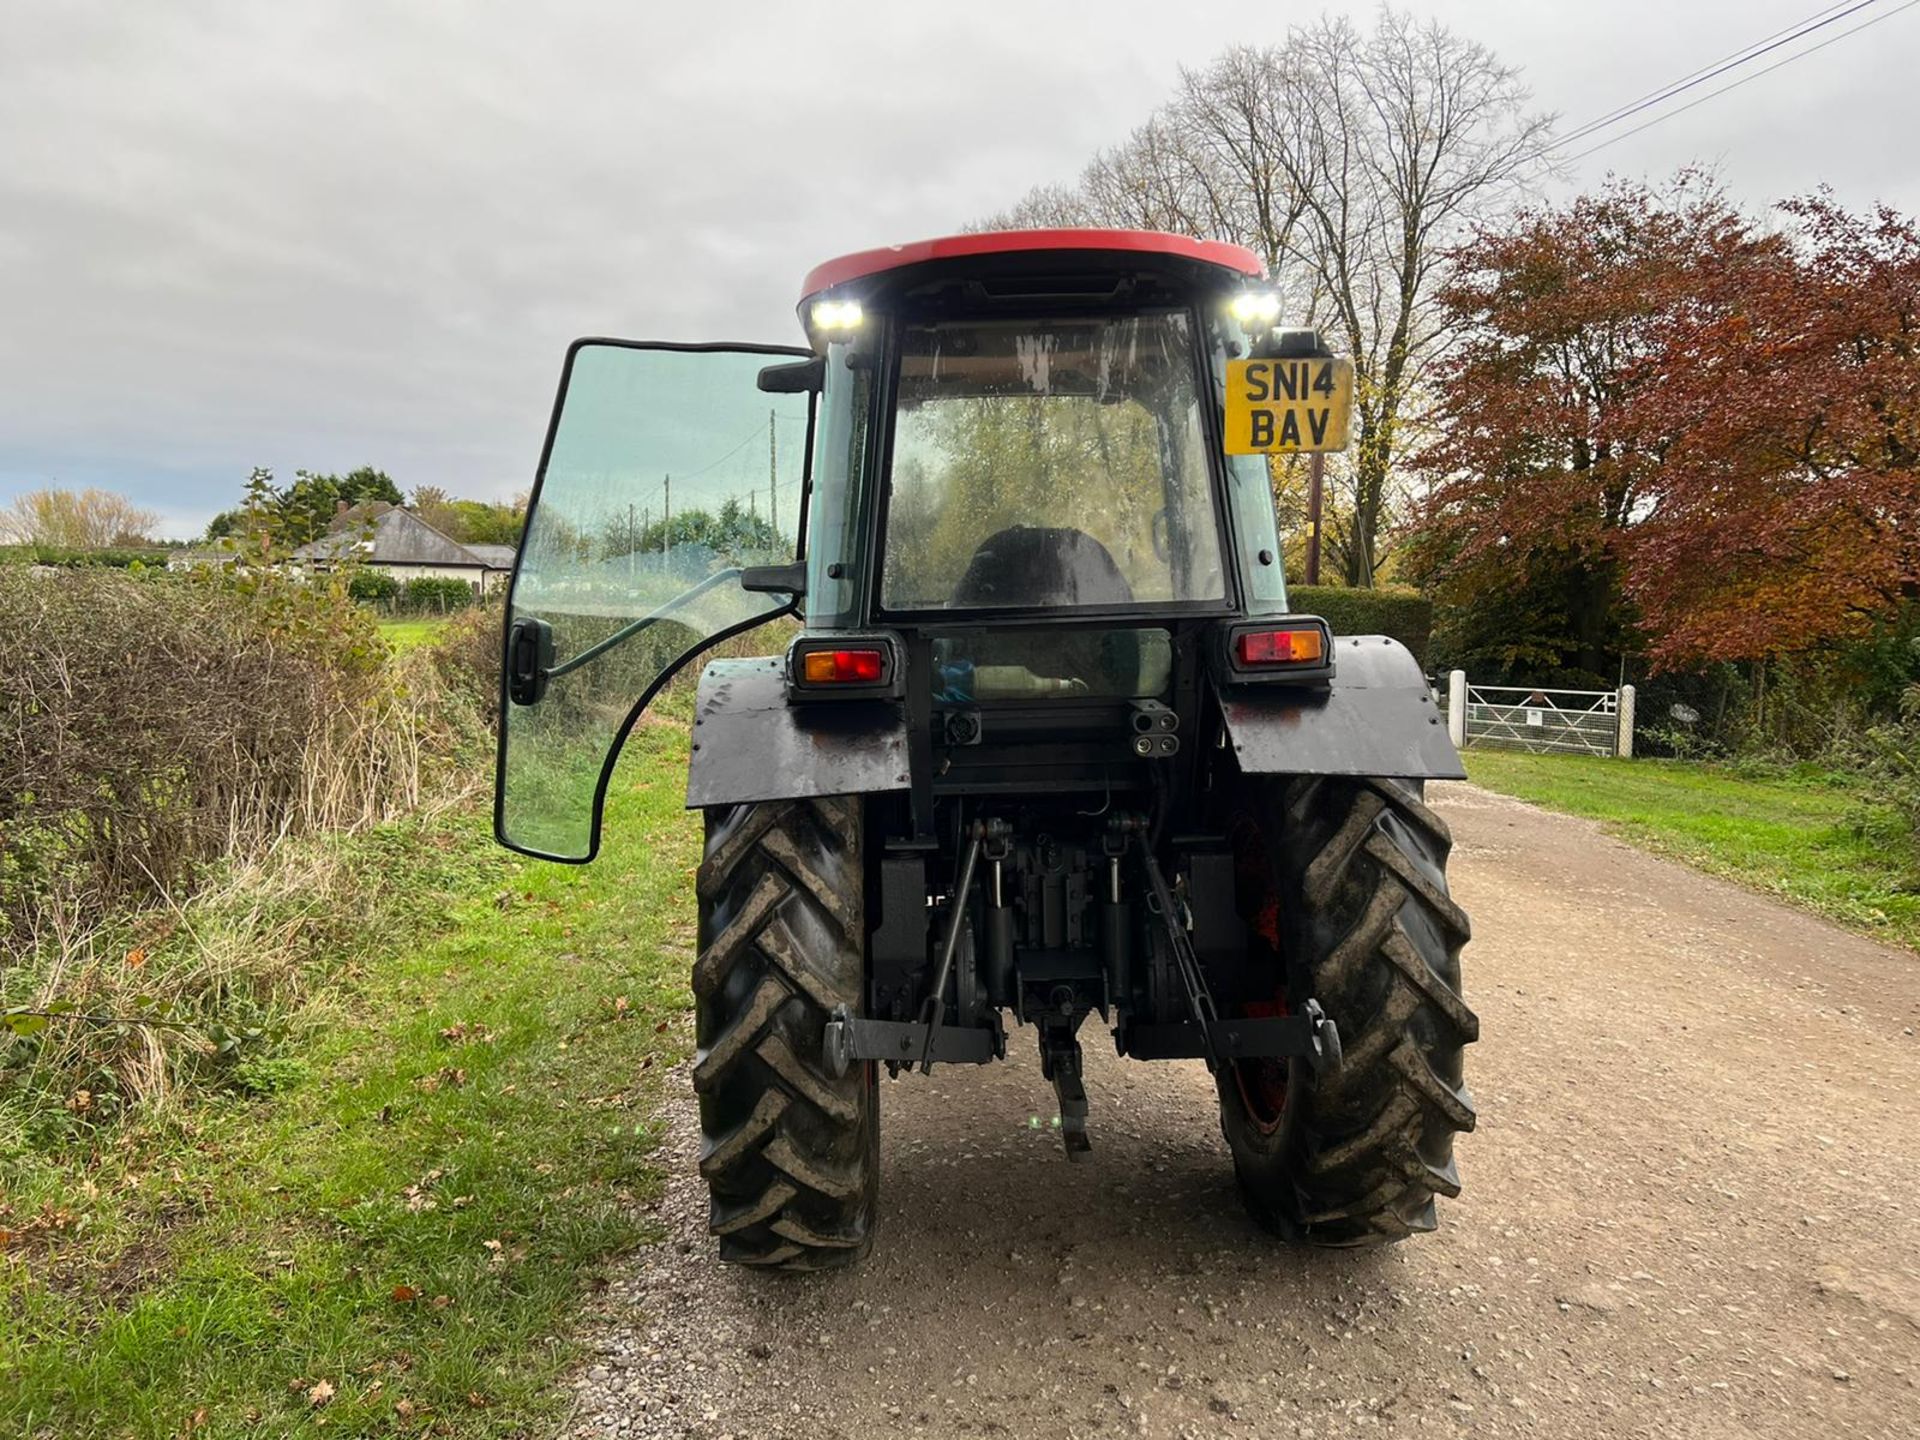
750, 744
1377, 717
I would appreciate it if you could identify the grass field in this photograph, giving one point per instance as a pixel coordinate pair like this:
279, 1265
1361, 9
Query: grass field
404, 635
396, 1237
1807, 837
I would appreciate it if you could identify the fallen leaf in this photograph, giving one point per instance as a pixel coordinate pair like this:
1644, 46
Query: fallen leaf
403, 1407
477, 1400
136, 957
319, 1393
440, 1302
405, 1294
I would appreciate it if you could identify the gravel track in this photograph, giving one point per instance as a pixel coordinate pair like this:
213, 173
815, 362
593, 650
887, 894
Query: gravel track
1692, 1208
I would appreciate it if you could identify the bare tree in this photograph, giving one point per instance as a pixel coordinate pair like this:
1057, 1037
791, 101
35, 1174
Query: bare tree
1350, 162
87, 519
1045, 207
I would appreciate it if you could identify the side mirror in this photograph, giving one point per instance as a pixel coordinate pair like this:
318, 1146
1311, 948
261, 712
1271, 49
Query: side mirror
775, 579
797, 377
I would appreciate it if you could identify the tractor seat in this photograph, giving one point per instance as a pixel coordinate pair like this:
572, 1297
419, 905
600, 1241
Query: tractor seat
1031, 565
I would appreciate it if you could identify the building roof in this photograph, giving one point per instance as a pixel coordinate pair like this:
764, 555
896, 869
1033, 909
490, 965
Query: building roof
393, 536
499, 557
1001, 242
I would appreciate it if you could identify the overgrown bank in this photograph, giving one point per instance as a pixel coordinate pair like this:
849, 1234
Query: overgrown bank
375, 1211
151, 726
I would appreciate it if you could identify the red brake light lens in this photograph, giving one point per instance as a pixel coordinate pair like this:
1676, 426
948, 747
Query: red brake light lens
842, 667
1280, 647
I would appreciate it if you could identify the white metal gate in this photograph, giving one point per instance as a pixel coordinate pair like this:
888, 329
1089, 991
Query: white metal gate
1538, 720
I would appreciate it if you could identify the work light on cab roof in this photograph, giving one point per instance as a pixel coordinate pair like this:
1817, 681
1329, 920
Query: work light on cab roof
1047, 742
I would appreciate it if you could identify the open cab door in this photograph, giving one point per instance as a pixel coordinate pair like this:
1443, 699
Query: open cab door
667, 472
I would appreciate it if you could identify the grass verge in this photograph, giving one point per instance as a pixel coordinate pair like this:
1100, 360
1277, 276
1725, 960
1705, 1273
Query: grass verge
404, 635
1797, 836
385, 1227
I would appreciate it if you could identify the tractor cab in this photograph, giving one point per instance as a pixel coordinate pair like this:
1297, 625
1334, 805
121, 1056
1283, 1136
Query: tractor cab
999, 473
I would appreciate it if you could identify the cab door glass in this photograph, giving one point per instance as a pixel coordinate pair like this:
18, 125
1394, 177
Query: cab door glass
667, 471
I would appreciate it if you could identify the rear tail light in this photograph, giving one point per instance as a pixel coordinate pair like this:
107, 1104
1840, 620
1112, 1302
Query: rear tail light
843, 667
860, 666
1305, 646
1276, 649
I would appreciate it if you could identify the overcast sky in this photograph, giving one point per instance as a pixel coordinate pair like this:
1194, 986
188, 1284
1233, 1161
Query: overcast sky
314, 236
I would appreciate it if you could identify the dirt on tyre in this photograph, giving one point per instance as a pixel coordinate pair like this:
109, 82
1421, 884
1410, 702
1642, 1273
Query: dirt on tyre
1347, 879
790, 1152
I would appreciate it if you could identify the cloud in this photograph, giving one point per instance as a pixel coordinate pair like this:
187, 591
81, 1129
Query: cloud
316, 236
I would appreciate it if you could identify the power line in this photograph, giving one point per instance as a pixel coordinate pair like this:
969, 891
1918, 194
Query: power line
758, 431
657, 493
1746, 53
1735, 85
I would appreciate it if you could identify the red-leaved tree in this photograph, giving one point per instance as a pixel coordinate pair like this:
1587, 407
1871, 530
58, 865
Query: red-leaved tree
1787, 510
1667, 429
1543, 463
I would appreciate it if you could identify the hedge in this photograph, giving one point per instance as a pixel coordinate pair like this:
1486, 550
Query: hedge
1406, 615
428, 593
121, 559
372, 585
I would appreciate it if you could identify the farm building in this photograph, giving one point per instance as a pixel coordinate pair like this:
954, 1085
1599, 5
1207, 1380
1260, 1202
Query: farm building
399, 543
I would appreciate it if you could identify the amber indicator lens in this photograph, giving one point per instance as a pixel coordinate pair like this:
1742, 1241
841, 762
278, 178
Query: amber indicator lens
841, 667
1280, 647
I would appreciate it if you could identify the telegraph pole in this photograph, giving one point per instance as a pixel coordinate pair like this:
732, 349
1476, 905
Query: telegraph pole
666, 526
773, 475
1316, 481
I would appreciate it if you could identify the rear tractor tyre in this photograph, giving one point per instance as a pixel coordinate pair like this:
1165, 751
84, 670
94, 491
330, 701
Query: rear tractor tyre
790, 1151
1359, 909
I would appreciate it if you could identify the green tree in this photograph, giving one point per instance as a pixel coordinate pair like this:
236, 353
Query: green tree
486, 522
735, 535
435, 506
308, 506
471, 522
304, 510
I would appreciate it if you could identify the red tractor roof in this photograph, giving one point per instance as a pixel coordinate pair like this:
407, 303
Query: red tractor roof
1004, 242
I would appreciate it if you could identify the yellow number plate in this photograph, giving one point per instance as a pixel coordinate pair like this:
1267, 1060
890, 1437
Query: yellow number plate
1288, 406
